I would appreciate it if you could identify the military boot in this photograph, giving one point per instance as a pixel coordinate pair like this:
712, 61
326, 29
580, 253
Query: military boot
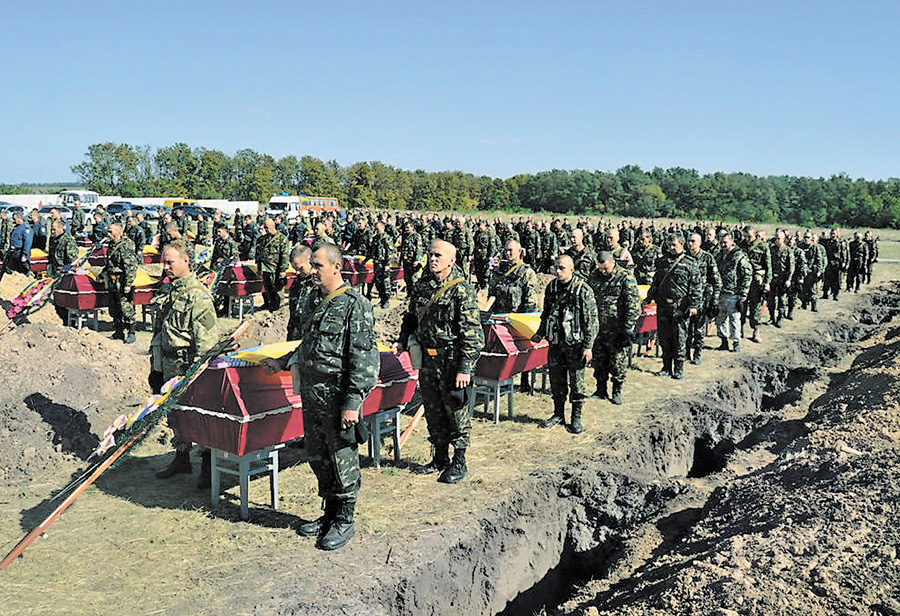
181, 465
559, 414
696, 358
204, 481
666, 367
602, 391
119, 334
755, 336
320, 526
439, 461
723, 346
616, 392
341, 529
457, 469
678, 369
737, 347
129, 338
526, 385
576, 427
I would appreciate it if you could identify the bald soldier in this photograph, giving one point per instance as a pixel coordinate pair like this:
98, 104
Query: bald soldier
119, 273
272, 252
443, 316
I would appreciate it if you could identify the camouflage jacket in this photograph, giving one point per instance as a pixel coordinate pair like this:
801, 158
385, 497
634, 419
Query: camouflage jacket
99, 231
202, 230
783, 264
531, 242
137, 236
760, 262
873, 250
184, 326
585, 261
272, 252
339, 350
381, 249
735, 270
709, 278
816, 260
223, 249
676, 284
645, 263
515, 288
453, 321
859, 254
549, 245
297, 296
63, 250
618, 304
121, 265
465, 245
800, 269
834, 252
77, 222
412, 247
361, 240
569, 317
487, 245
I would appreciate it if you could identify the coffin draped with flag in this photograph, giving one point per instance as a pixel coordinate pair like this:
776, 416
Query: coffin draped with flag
508, 348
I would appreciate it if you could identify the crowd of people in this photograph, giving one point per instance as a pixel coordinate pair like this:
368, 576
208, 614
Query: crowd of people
695, 274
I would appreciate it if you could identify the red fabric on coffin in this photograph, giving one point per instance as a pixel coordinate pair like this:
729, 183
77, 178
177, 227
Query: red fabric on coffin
239, 281
98, 257
357, 272
506, 353
80, 292
647, 320
39, 264
150, 257
396, 272
396, 384
144, 295
84, 242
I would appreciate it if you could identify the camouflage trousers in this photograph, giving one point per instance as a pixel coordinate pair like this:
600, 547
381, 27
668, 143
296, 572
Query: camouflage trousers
121, 309
333, 455
697, 328
794, 293
271, 291
382, 282
753, 307
409, 274
481, 267
831, 282
448, 421
672, 332
778, 301
809, 296
855, 277
610, 359
566, 365
728, 321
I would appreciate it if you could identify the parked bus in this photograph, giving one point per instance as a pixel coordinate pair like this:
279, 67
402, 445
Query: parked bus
292, 206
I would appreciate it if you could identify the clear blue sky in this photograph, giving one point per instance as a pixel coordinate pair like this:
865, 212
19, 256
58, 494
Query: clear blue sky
489, 88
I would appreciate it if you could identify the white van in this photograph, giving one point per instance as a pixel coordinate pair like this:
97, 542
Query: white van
287, 205
89, 199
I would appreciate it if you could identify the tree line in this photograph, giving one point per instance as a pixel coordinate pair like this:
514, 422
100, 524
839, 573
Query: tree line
200, 173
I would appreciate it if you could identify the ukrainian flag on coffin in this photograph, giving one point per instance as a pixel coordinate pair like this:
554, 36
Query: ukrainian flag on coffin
258, 353
642, 291
524, 324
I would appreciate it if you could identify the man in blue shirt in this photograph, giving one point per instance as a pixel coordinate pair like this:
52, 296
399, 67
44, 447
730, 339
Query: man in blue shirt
18, 257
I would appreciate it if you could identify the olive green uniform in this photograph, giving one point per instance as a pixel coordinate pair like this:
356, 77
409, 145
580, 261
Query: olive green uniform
121, 269
412, 248
618, 308
381, 251
63, 251
761, 267
709, 302
272, 252
514, 287
298, 294
783, 264
585, 261
676, 289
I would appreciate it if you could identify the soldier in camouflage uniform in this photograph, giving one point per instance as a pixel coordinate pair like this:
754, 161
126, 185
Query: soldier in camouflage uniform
514, 287
184, 328
859, 259
531, 242
6, 227
569, 323
333, 371
549, 248
224, 251
272, 252
172, 233
761, 264
77, 222
119, 273
618, 308
487, 245
646, 255
736, 273
677, 291
837, 263
816, 262
582, 256
800, 268
99, 230
709, 303
873, 254
412, 251
361, 239
300, 289
202, 229
62, 252
443, 314
135, 233
783, 265
381, 251
465, 246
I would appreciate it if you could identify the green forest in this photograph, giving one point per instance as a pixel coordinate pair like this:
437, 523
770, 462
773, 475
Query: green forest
199, 173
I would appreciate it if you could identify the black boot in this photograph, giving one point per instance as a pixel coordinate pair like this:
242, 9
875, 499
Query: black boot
181, 465
129, 338
616, 392
678, 369
341, 529
457, 469
723, 346
576, 427
602, 391
559, 410
666, 368
119, 334
526, 385
696, 358
320, 526
439, 461
204, 481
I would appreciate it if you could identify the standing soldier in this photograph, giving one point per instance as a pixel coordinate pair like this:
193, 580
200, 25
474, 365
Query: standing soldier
645, 257
531, 244
381, 251
300, 290
583, 258
99, 230
119, 273
736, 273
181, 219
135, 233
487, 244
618, 308
800, 269
549, 248
783, 265
5, 230
223, 253
443, 314
362, 238
333, 371
202, 229
761, 264
249, 232
709, 303
514, 288
184, 328
77, 222
272, 262
859, 259
412, 250
18, 255
569, 323
620, 254
63, 251
465, 246
816, 263
172, 233
873, 254
677, 290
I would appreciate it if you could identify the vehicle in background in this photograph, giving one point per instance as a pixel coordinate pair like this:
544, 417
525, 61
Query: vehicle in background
192, 211
12, 208
64, 212
149, 211
119, 207
292, 206
88, 198
170, 204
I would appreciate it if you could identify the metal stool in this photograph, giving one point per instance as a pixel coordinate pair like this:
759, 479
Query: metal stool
244, 467
77, 318
491, 391
381, 424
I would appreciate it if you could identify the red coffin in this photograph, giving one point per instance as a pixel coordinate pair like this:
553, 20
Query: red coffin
98, 257
39, 264
647, 321
84, 242
506, 353
239, 280
144, 295
150, 257
357, 272
80, 292
242, 409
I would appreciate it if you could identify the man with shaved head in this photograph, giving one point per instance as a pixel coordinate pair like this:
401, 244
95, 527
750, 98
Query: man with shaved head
444, 320
119, 273
583, 257
272, 251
